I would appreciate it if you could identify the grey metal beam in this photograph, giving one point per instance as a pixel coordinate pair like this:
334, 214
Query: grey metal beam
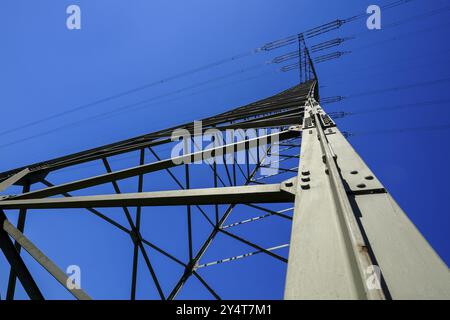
226, 195
156, 166
138, 227
206, 285
322, 262
13, 179
135, 234
21, 227
251, 244
94, 211
410, 268
292, 97
190, 268
43, 260
17, 264
346, 227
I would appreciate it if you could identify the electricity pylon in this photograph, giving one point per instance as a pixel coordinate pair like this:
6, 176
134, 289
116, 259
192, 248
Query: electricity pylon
349, 238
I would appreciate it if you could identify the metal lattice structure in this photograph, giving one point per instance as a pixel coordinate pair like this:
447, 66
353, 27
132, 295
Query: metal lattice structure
345, 225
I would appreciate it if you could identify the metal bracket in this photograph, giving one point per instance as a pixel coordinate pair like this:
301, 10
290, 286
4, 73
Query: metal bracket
289, 185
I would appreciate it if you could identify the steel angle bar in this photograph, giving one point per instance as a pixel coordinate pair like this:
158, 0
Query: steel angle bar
274, 213
13, 179
156, 166
21, 227
191, 268
17, 264
224, 195
206, 285
135, 234
279, 213
251, 244
177, 181
92, 210
234, 224
43, 260
241, 256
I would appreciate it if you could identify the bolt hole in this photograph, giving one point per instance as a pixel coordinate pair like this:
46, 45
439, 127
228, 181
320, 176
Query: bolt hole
361, 185
369, 178
354, 172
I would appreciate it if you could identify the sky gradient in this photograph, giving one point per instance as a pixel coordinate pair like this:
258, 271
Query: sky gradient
48, 69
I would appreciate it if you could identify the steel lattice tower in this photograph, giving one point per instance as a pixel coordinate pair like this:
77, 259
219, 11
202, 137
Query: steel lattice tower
345, 224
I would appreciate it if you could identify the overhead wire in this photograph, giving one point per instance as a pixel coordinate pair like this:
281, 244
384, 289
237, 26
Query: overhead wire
268, 47
131, 107
398, 130
333, 25
342, 114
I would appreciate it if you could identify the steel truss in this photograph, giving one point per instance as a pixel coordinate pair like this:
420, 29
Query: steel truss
344, 222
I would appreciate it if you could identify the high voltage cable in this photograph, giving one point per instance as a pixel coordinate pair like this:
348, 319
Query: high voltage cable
405, 87
339, 54
191, 94
329, 44
331, 56
407, 20
319, 47
383, 7
102, 115
392, 89
333, 25
336, 42
132, 107
334, 99
398, 67
342, 114
330, 26
124, 93
141, 104
412, 33
398, 130
317, 60
330, 100
398, 88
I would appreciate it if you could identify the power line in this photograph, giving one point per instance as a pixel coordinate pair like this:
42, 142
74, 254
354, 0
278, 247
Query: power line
333, 25
431, 59
415, 32
125, 93
383, 7
141, 104
329, 44
398, 88
133, 107
414, 18
391, 89
398, 130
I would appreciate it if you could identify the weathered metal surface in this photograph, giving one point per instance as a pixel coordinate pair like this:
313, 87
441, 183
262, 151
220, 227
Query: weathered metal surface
346, 226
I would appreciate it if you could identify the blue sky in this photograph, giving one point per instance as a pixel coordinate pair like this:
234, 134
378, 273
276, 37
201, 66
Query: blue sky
47, 69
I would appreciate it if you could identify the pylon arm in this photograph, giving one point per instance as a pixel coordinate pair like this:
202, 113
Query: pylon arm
226, 195
13, 179
161, 165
